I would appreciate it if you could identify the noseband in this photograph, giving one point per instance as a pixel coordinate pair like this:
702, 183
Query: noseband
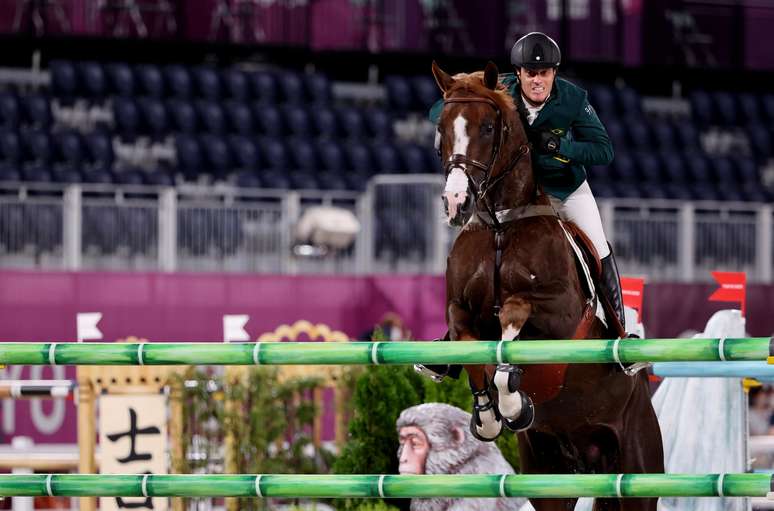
480, 179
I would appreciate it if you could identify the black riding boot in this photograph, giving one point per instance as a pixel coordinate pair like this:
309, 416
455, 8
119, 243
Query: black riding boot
611, 286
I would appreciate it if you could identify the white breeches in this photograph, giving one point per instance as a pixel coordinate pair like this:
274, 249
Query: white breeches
581, 209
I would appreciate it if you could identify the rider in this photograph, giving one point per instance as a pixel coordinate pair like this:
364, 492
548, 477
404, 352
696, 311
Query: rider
566, 135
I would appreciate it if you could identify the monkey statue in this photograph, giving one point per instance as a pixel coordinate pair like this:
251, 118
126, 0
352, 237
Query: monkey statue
435, 439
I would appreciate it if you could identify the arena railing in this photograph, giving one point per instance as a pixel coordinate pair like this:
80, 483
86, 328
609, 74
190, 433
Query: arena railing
91, 227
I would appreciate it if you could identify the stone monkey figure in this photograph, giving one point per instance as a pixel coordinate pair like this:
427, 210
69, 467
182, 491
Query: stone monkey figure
435, 439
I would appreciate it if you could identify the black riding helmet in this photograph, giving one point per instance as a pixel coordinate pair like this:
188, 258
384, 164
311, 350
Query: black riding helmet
536, 51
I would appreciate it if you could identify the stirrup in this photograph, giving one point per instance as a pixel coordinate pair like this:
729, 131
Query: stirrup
438, 372
526, 417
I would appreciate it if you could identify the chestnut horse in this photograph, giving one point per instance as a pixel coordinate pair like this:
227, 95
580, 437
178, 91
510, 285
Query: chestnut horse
512, 275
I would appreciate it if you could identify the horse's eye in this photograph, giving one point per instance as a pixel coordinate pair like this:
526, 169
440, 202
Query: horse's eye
487, 128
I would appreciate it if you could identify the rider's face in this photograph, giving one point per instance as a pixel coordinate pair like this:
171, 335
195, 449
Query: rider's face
536, 84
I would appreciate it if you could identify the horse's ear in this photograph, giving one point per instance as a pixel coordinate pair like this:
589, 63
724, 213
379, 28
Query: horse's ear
491, 75
442, 78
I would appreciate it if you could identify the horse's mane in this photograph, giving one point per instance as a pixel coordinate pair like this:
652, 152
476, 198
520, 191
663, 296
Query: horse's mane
474, 83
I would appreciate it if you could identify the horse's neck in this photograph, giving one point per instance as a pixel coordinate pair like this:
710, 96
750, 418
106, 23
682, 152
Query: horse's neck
518, 188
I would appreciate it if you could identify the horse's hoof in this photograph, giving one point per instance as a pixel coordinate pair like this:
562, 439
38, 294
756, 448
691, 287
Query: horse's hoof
485, 434
486, 422
525, 418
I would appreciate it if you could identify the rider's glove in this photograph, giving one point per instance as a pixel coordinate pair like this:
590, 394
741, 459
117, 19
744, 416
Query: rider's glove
549, 142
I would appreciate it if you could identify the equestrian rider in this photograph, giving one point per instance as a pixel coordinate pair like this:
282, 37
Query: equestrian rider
566, 136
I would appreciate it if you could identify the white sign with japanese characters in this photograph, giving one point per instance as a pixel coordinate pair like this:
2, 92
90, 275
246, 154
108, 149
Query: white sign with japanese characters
133, 440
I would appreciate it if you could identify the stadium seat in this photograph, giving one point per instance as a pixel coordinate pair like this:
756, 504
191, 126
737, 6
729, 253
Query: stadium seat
121, 79
747, 171
69, 147
702, 107
615, 131
433, 160
649, 168
697, 168
760, 141
638, 133
399, 96
663, 134
38, 173
291, 88
126, 115
130, 176
239, 117
46, 224
178, 81
9, 110
154, 116
37, 146
412, 158
323, 122
767, 103
9, 173
296, 120
704, 191
673, 167
150, 80
207, 82
99, 148
183, 116
303, 180
318, 88
92, 76
678, 191
725, 108
274, 153
159, 177
247, 179
245, 153
623, 169
235, 84
749, 107
653, 191
350, 122
268, 120
264, 87
378, 123
425, 92
64, 79
331, 156
138, 224
355, 181
211, 116
98, 175
302, 155
216, 155
723, 171
11, 147
386, 159
275, 179
358, 158
331, 181
189, 156
603, 99
687, 136
629, 102
37, 110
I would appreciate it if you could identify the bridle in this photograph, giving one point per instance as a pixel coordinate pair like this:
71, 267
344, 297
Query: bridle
480, 174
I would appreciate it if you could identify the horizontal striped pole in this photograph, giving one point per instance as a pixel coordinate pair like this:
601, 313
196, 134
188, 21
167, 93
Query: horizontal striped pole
388, 486
365, 353
30, 389
761, 371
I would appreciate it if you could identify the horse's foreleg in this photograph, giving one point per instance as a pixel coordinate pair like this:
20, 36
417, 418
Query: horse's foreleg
485, 423
514, 405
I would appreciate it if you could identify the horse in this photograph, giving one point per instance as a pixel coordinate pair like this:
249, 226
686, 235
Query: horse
512, 275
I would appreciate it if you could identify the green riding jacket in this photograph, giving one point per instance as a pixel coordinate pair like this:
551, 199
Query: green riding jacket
567, 113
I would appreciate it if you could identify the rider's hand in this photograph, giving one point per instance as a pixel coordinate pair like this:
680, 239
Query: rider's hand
549, 142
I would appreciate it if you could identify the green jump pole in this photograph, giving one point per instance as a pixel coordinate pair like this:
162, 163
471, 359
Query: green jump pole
365, 353
388, 486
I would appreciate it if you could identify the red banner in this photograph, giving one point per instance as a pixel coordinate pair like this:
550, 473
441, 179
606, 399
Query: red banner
733, 288
632, 289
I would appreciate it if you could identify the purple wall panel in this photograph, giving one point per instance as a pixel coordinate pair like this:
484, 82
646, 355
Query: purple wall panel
41, 306
758, 23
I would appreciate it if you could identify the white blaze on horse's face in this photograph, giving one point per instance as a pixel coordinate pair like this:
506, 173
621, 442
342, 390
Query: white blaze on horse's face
456, 191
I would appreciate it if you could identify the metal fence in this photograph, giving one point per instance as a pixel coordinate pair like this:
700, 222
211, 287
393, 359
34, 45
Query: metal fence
402, 230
